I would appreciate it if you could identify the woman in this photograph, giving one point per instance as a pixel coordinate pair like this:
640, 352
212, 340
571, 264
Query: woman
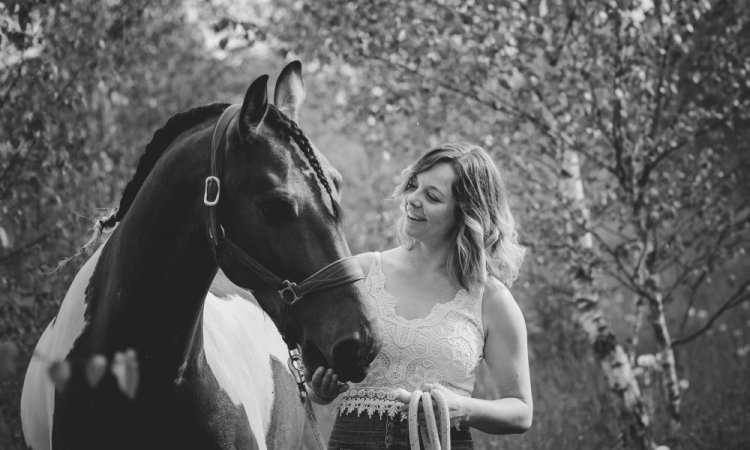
443, 301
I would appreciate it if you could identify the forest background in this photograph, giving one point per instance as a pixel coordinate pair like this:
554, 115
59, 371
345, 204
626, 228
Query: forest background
622, 128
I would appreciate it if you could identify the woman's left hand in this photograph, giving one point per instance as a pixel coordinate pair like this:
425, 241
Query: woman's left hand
326, 386
456, 403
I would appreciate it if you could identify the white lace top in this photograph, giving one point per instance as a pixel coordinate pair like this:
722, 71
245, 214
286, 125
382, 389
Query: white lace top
444, 347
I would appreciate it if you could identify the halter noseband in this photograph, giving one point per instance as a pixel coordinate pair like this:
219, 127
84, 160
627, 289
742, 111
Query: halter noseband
337, 273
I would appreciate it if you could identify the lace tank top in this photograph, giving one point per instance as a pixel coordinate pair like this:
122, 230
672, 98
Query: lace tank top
444, 347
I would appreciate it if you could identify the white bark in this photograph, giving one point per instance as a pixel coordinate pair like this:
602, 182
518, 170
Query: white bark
611, 356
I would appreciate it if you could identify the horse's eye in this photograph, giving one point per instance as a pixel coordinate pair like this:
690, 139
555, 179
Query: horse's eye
277, 211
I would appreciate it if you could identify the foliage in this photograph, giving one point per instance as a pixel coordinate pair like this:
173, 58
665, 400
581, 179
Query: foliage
82, 86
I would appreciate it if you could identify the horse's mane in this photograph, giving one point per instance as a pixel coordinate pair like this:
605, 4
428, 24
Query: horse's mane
154, 149
164, 136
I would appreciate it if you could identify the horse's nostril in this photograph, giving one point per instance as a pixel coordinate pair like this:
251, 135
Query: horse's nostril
345, 351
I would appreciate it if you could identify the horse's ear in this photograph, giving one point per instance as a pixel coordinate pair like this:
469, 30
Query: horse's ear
290, 90
254, 106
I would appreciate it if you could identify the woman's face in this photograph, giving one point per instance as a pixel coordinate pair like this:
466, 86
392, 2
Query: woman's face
429, 206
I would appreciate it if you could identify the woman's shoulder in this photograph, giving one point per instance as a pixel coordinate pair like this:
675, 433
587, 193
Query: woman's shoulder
365, 260
387, 258
499, 309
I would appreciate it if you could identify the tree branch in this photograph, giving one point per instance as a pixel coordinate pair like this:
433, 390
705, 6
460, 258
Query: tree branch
648, 168
740, 295
24, 247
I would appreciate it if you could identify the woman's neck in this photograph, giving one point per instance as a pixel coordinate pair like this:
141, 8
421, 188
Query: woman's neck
424, 257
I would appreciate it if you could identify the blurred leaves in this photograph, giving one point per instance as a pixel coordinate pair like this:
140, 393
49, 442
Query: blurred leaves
60, 372
125, 370
95, 370
654, 97
8, 359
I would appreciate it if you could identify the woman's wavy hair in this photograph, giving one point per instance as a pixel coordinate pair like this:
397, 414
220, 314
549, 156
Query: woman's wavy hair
485, 237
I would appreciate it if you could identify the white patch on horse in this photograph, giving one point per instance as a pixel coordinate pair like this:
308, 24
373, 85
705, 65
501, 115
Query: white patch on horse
239, 341
38, 395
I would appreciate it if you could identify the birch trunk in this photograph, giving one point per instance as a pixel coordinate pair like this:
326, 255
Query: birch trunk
664, 342
610, 355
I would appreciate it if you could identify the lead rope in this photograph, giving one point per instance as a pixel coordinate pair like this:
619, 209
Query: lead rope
313, 422
439, 437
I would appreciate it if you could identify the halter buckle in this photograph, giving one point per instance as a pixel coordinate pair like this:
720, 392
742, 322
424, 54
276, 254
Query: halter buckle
212, 180
288, 293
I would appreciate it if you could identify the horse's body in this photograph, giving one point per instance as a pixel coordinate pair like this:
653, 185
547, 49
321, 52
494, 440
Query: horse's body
211, 365
242, 347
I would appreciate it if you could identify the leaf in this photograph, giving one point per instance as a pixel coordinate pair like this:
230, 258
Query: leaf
4, 240
95, 370
59, 372
125, 370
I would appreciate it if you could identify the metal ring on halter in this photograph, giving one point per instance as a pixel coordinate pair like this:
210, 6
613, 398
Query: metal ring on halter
209, 180
289, 287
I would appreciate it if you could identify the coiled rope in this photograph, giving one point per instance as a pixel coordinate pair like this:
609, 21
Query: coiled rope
439, 436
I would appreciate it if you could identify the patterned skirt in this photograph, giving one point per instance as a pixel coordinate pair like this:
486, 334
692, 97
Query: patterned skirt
354, 431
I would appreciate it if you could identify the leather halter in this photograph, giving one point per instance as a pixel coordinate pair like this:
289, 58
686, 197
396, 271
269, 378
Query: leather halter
337, 273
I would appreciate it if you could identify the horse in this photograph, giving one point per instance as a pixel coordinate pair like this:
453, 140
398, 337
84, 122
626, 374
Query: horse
227, 253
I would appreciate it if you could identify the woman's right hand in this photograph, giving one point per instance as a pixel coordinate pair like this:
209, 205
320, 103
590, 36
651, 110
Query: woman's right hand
326, 386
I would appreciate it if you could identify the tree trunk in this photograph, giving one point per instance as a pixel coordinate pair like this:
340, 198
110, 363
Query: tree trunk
611, 356
664, 342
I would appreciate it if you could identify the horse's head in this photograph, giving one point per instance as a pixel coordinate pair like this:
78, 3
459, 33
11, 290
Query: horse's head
280, 206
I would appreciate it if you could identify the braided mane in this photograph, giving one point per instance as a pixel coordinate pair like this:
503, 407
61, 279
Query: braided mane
299, 138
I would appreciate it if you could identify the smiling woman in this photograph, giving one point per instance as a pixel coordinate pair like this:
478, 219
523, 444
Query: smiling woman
428, 194
442, 298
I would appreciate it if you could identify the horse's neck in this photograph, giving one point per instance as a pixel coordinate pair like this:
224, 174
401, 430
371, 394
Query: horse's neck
148, 288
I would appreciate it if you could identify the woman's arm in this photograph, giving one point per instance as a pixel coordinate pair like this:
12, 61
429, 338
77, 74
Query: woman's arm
506, 355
